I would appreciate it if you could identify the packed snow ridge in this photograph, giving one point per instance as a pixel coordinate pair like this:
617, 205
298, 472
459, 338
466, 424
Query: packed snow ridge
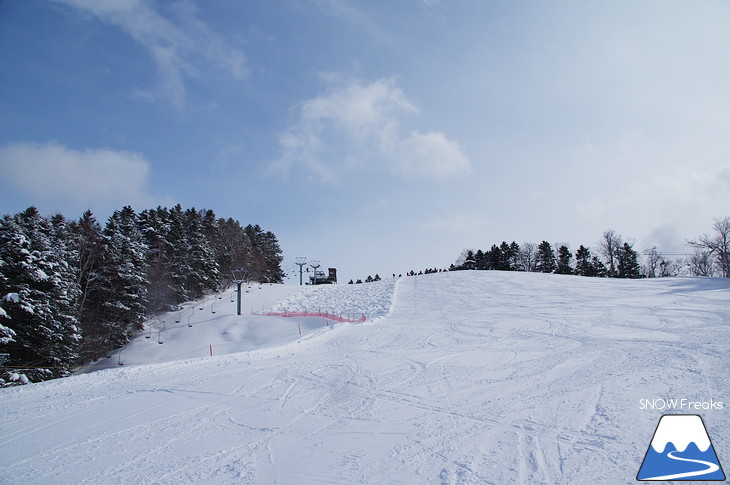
470, 377
370, 299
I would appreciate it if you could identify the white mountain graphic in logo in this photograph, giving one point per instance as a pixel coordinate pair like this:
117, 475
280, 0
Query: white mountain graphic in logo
680, 450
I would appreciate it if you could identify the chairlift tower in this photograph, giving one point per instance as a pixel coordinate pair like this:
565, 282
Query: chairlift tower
301, 262
239, 277
315, 265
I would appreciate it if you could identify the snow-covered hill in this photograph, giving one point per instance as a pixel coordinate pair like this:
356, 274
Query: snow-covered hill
468, 378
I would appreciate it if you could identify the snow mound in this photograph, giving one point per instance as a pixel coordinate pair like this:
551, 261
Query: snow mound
371, 299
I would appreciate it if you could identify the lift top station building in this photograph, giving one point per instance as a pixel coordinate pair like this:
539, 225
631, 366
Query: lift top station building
320, 278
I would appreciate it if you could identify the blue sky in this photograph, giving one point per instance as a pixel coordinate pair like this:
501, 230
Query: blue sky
375, 136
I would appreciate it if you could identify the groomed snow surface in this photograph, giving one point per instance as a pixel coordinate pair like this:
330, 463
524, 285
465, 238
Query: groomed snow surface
456, 378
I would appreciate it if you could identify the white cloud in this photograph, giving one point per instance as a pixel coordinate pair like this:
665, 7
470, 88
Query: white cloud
358, 124
650, 190
432, 154
76, 180
174, 40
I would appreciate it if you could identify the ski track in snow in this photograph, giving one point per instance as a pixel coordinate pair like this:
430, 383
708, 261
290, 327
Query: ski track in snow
457, 378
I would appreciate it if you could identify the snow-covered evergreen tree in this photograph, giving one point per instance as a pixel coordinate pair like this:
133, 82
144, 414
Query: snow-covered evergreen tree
204, 273
154, 225
179, 258
38, 290
125, 275
265, 260
212, 235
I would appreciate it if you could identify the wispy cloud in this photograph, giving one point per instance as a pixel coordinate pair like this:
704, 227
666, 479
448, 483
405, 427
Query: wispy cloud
432, 154
623, 185
77, 180
176, 41
357, 124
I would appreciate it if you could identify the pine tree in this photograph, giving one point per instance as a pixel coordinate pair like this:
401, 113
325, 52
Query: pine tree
564, 257
494, 257
154, 224
628, 262
38, 291
234, 248
583, 265
213, 237
505, 253
7, 334
598, 268
265, 260
179, 254
125, 275
514, 257
61, 258
204, 274
481, 260
545, 258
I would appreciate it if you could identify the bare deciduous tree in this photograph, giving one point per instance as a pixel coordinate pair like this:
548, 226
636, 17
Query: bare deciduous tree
717, 246
609, 247
658, 266
700, 263
526, 256
653, 260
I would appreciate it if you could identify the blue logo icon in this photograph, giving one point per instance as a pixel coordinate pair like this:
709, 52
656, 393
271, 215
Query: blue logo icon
680, 450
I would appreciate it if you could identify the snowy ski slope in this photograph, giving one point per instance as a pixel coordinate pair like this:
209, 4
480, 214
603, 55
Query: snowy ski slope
467, 378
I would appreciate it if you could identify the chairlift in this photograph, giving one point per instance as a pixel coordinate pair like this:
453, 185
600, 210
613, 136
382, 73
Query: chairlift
159, 334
